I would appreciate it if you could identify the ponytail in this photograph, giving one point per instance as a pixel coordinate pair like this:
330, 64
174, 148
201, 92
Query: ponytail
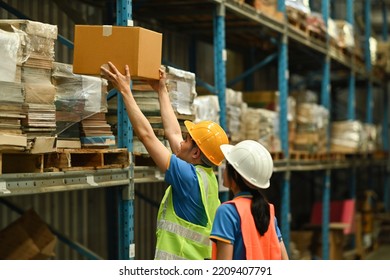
259, 208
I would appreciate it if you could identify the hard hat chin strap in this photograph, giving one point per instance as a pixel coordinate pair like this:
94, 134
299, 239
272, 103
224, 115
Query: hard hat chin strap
206, 161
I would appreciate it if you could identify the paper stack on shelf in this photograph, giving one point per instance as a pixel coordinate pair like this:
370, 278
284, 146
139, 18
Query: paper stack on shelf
11, 92
234, 108
182, 93
261, 125
81, 99
35, 56
207, 108
181, 86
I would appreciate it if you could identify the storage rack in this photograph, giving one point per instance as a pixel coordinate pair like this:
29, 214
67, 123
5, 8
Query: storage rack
215, 20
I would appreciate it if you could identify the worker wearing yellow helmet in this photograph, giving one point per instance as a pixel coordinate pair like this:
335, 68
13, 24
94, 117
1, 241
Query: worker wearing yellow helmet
188, 207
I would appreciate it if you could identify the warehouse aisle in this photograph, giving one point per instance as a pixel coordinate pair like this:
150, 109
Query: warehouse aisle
382, 253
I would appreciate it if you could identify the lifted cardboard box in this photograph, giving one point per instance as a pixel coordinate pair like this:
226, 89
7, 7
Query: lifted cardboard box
95, 45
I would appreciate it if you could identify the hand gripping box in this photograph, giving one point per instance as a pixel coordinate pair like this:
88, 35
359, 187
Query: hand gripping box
95, 45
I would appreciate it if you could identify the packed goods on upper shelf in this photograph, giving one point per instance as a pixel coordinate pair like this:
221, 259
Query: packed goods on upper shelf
343, 38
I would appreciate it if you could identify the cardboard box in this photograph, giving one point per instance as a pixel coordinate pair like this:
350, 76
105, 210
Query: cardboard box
95, 45
27, 238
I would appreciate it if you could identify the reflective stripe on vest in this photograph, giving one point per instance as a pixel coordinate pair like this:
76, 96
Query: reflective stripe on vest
183, 231
162, 255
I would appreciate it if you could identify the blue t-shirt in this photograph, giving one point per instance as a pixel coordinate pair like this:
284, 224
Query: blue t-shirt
187, 200
227, 227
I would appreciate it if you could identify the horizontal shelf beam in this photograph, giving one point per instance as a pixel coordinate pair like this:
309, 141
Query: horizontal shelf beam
35, 183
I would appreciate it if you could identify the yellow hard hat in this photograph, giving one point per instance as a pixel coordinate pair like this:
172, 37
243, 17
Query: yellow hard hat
208, 136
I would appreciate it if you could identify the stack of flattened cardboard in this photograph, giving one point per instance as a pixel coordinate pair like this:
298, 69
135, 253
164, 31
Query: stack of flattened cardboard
96, 132
36, 51
11, 92
81, 104
147, 100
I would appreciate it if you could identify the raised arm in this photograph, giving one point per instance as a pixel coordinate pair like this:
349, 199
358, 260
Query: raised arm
142, 128
171, 125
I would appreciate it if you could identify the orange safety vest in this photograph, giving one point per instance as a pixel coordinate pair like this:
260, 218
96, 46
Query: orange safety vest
266, 247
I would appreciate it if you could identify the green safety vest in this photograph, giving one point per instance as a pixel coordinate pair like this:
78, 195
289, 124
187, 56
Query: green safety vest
178, 239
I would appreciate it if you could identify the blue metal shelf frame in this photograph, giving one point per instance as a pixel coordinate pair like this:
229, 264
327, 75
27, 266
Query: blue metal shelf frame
220, 71
367, 56
125, 140
283, 76
326, 102
351, 98
352, 78
220, 61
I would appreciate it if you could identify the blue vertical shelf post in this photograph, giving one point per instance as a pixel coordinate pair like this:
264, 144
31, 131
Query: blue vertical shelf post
220, 61
220, 71
283, 76
351, 95
351, 81
125, 140
368, 66
367, 56
325, 100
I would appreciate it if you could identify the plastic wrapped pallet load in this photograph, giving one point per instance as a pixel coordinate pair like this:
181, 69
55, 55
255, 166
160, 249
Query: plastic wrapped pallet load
347, 136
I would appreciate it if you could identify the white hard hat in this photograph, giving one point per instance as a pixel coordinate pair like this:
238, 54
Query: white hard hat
251, 160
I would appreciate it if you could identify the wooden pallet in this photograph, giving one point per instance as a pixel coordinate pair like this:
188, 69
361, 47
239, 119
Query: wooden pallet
277, 155
298, 155
336, 156
79, 159
316, 35
64, 160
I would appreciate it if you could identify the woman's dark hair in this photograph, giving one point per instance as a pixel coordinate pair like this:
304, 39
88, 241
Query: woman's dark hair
260, 208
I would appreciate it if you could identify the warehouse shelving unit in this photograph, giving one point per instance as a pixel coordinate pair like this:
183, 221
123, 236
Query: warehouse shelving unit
224, 23
231, 22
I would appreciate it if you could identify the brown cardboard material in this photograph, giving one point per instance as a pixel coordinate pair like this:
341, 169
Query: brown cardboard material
95, 45
27, 238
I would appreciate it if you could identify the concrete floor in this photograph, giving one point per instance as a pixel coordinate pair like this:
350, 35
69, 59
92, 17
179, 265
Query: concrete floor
381, 253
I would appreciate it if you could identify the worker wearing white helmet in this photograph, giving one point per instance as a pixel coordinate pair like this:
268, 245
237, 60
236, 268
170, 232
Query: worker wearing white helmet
245, 227
188, 208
